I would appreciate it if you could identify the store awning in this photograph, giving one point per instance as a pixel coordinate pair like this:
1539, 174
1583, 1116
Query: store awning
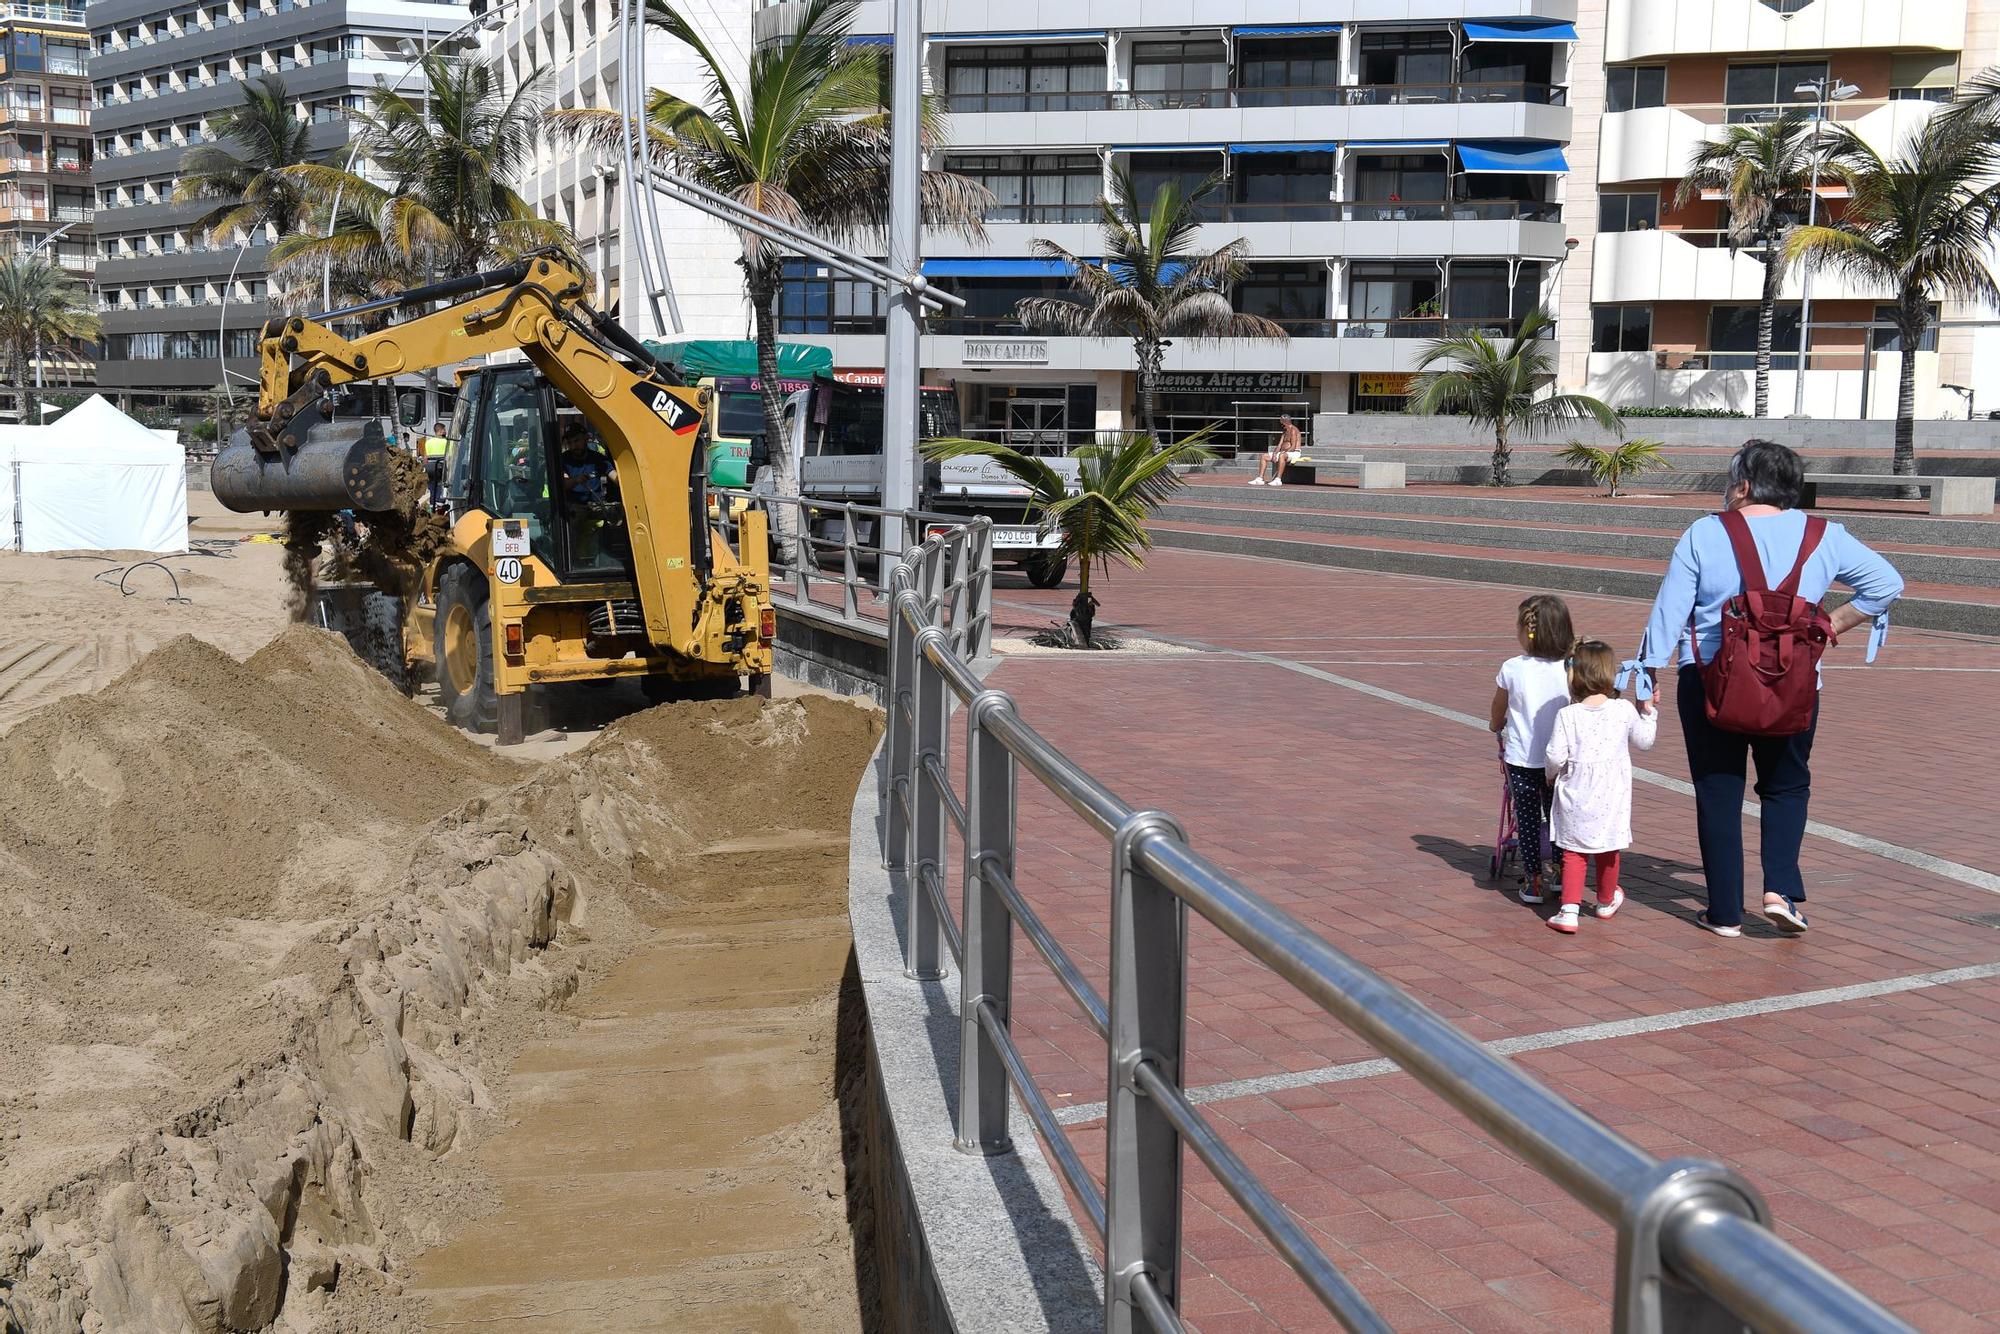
1526, 156
1327, 146
1287, 30
995, 268
1169, 148
1011, 38
698, 357
1397, 143
870, 39
1519, 30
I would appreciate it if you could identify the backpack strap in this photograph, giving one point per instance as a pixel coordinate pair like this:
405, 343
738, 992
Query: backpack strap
1748, 563
1808, 543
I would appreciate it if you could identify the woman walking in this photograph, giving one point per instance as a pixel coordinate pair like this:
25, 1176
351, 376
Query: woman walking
1703, 579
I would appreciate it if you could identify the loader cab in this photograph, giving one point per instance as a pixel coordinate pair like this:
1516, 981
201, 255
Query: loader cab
519, 451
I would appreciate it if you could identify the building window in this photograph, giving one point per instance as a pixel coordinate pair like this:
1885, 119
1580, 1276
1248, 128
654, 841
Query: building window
1404, 59
1886, 337
1292, 294
1631, 87
1152, 170
1301, 71
1765, 91
1180, 74
1732, 337
1399, 187
1621, 328
1039, 187
815, 299
1024, 78
1289, 187
1628, 212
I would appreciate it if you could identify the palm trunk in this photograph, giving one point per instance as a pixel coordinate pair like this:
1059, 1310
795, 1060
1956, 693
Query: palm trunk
1083, 607
1149, 356
1912, 320
763, 284
1767, 306
1500, 453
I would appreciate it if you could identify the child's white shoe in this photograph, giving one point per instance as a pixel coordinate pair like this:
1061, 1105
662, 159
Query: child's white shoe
1565, 919
1607, 909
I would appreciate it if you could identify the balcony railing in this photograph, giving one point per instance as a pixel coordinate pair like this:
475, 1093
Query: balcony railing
1457, 210
1428, 326
1410, 326
1043, 213
1294, 95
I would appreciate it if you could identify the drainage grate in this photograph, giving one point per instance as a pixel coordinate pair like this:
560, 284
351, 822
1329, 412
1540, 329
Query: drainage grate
1991, 919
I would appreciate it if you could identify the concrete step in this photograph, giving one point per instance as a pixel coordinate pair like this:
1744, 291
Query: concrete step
1919, 566
1926, 606
1539, 465
1910, 529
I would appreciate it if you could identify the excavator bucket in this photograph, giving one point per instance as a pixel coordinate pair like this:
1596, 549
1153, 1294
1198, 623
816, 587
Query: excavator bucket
314, 465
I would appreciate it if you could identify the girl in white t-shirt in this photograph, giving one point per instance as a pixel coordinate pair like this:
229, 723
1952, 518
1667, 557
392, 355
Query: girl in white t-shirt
1529, 691
1590, 759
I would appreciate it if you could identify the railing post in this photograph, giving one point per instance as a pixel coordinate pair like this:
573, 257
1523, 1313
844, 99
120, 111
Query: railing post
981, 640
923, 949
986, 972
900, 748
1647, 1300
1148, 1024
801, 554
850, 604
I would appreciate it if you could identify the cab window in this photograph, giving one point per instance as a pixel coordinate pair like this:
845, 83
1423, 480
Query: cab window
513, 455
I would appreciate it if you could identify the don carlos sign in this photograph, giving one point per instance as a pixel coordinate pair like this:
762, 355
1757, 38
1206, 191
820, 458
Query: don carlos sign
1231, 382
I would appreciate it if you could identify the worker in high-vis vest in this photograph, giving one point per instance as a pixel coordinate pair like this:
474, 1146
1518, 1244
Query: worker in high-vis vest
435, 446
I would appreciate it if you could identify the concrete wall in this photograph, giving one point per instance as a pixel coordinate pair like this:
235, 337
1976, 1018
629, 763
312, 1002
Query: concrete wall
1361, 430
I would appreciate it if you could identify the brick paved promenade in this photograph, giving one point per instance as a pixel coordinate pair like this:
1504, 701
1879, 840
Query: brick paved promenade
1329, 746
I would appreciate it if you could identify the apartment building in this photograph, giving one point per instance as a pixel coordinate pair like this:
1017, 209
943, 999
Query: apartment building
1656, 308
1391, 176
45, 151
579, 40
181, 308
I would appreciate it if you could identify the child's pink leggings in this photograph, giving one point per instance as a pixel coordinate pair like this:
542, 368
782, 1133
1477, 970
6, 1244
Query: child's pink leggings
1607, 876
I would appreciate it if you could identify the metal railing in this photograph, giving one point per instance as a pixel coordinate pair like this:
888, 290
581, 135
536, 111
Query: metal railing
1694, 1244
1275, 95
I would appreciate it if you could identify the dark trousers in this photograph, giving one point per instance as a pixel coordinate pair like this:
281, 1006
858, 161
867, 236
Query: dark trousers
1530, 792
1717, 764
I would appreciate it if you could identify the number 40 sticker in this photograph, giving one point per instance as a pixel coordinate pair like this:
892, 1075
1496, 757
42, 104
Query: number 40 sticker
507, 569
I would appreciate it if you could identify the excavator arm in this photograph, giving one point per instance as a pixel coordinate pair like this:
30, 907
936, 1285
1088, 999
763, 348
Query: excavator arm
294, 458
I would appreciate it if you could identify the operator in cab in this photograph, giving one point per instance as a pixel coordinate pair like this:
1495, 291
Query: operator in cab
589, 483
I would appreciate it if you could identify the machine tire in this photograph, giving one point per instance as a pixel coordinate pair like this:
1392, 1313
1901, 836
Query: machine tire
465, 677
1047, 571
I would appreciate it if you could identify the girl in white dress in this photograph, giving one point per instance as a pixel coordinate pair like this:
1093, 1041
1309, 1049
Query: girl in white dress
1590, 762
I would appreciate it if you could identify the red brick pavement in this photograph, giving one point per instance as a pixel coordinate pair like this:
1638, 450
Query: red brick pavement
1871, 1124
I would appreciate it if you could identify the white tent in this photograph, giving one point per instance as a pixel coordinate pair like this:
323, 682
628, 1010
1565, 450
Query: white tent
92, 480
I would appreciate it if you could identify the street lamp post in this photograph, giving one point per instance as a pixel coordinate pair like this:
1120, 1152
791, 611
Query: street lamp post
1822, 91
33, 250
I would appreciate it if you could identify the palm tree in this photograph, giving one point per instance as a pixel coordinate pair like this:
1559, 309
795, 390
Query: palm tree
1152, 285
440, 204
1497, 385
250, 186
41, 306
805, 139
1101, 519
1764, 173
1918, 224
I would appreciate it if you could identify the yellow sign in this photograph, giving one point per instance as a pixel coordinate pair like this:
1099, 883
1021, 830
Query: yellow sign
1382, 386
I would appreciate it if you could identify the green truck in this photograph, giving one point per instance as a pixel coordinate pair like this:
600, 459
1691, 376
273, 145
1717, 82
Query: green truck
728, 368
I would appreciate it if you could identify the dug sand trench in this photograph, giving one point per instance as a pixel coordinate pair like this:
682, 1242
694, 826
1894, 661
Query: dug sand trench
278, 937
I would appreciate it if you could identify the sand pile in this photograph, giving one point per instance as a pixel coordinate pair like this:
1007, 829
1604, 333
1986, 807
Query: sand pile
276, 933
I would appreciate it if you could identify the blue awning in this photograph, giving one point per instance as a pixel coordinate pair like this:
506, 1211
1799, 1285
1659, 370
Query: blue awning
1398, 143
995, 268
1327, 147
871, 39
1528, 156
1071, 35
1287, 30
1168, 148
1519, 30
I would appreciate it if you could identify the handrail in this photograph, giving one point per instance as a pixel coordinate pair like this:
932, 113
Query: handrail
1695, 1249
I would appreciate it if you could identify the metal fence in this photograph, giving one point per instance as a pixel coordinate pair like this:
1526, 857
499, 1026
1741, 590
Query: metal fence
1695, 1250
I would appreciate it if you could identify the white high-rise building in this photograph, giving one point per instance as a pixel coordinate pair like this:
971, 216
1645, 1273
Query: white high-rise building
579, 41
1656, 308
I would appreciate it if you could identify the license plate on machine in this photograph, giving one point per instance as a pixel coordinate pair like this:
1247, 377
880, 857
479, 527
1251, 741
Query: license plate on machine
1021, 537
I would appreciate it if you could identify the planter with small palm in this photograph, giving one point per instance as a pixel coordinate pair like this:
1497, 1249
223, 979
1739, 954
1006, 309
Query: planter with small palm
1609, 467
1500, 384
1103, 518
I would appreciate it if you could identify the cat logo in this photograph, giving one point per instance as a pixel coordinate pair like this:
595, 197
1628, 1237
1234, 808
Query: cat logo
679, 417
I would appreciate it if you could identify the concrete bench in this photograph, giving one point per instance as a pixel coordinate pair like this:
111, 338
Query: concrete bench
1949, 495
1373, 476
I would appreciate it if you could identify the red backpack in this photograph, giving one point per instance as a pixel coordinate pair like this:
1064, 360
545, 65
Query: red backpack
1764, 679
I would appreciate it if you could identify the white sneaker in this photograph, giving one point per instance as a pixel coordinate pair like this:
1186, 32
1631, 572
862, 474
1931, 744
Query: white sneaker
1564, 920
1256, 481
1277, 481
1611, 908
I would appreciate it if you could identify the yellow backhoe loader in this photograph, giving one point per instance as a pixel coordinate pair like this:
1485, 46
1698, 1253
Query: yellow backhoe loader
582, 545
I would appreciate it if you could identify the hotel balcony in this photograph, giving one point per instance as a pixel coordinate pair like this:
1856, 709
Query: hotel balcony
1656, 143
1647, 29
1649, 266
